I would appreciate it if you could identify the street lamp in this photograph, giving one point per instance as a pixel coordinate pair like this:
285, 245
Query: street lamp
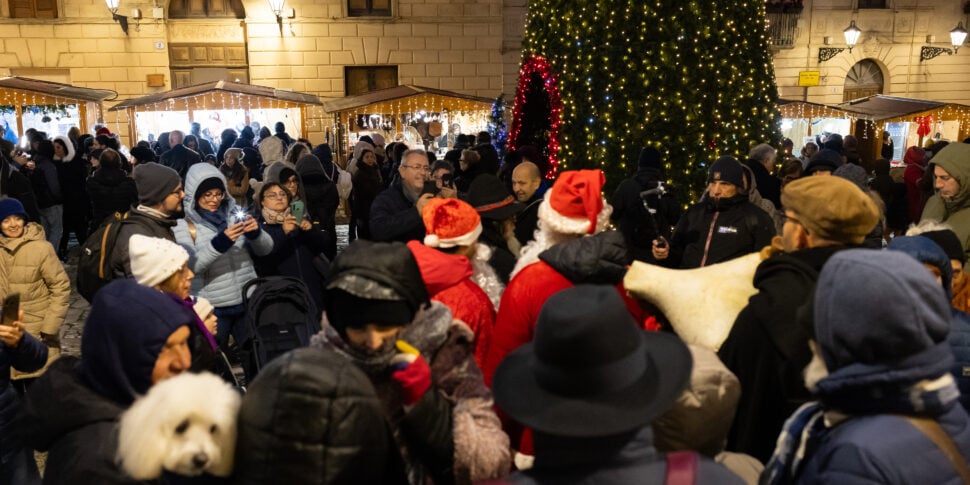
957, 37
851, 34
121, 19
277, 7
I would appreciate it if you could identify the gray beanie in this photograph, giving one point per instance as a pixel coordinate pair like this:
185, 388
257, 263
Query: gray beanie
154, 182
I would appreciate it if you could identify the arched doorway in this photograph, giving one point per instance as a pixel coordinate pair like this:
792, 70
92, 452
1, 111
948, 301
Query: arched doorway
864, 79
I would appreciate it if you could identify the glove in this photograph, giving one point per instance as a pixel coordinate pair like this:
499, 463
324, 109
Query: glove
413, 373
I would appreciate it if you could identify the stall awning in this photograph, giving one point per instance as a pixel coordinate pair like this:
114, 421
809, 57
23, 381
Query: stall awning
219, 95
47, 92
400, 98
803, 109
880, 107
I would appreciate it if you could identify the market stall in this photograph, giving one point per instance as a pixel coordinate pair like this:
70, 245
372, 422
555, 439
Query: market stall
416, 115
48, 106
216, 106
802, 121
914, 121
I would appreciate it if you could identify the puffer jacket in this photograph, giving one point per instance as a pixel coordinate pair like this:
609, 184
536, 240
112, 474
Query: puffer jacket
219, 276
712, 232
33, 270
111, 190
336, 433
451, 435
28, 356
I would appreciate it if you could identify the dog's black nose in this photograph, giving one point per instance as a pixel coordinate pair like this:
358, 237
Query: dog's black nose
200, 459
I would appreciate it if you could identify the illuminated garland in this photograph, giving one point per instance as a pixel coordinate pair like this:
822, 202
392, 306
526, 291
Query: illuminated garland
538, 66
693, 78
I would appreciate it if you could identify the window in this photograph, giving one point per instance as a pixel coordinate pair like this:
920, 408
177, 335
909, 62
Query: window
872, 3
193, 64
188, 9
367, 8
362, 79
33, 9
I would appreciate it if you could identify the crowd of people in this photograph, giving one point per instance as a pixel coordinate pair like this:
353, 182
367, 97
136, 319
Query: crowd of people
477, 328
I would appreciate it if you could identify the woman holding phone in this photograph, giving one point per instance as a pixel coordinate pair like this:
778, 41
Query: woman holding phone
29, 266
219, 235
298, 243
21, 351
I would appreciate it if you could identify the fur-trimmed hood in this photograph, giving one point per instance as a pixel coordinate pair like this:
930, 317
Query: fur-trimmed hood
70, 148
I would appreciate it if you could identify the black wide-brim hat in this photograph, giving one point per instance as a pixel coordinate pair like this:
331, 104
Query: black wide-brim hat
591, 371
488, 195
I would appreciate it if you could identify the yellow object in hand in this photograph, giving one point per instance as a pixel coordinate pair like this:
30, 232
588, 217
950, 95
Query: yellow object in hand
406, 348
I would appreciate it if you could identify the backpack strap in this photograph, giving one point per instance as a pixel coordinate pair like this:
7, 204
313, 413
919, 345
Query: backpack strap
681, 468
932, 430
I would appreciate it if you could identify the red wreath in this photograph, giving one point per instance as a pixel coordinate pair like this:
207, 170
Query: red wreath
539, 65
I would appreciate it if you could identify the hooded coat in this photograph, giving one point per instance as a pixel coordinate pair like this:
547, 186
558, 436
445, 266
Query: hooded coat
220, 272
71, 173
767, 348
928, 252
111, 190
312, 417
879, 362
322, 198
72, 410
955, 212
452, 432
448, 278
30, 267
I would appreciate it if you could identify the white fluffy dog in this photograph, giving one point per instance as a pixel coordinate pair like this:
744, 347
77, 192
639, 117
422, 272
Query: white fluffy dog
185, 425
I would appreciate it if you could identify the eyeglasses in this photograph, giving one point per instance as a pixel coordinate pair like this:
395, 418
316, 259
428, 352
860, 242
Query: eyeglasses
274, 195
214, 194
423, 168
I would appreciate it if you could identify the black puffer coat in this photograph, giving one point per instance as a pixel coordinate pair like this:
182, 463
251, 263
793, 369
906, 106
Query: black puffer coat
311, 417
111, 190
30, 355
713, 232
321, 200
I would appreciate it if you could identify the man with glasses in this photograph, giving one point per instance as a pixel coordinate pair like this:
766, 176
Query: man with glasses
160, 195
396, 212
768, 345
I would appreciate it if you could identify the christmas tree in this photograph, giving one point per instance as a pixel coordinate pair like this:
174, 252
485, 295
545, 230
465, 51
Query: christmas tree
496, 126
692, 78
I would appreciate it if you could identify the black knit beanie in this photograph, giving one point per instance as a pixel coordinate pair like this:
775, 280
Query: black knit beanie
346, 310
949, 241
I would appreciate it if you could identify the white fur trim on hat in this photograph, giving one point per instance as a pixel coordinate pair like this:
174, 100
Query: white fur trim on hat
433, 241
558, 222
154, 260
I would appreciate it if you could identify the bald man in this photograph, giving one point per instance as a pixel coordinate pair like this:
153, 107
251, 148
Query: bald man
525, 182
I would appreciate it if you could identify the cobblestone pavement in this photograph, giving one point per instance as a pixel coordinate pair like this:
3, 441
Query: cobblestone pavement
78, 309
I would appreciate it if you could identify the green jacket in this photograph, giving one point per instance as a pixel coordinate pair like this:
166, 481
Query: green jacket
955, 159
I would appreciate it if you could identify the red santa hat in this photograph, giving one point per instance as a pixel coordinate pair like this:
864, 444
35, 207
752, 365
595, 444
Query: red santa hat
574, 202
103, 131
450, 223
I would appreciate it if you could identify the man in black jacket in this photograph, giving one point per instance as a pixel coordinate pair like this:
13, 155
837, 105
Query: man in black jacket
641, 226
722, 226
160, 195
179, 157
768, 346
761, 161
395, 214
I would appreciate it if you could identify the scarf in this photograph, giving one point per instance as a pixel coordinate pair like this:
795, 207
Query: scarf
271, 216
807, 426
217, 218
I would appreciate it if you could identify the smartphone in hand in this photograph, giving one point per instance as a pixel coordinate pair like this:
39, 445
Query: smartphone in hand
430, 187
296, 208
11, 308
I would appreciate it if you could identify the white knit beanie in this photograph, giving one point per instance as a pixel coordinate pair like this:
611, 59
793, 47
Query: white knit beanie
203, 308
154, 260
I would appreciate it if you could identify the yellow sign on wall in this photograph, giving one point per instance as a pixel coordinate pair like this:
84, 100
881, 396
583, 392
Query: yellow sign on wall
808, 78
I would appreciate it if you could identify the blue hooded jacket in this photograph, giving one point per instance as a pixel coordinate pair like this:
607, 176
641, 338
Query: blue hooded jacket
928, 252
123, 335
881, 322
